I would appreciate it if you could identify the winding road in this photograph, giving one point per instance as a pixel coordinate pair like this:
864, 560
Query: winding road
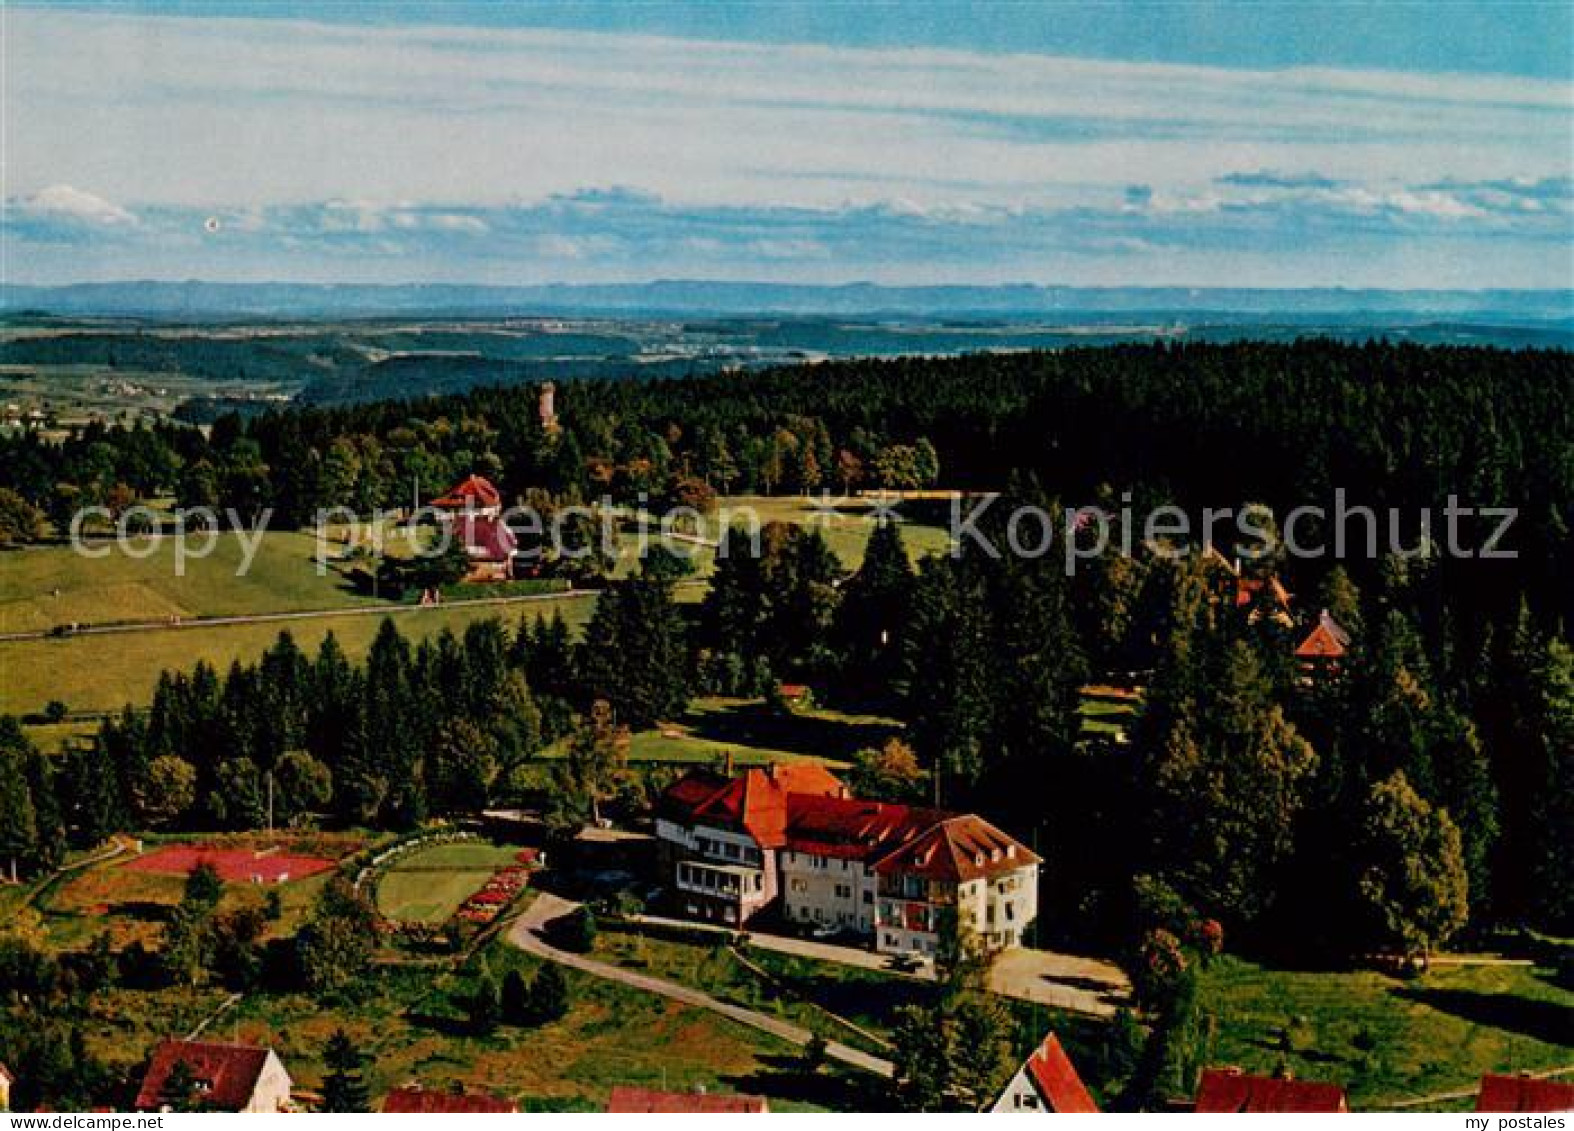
527, 935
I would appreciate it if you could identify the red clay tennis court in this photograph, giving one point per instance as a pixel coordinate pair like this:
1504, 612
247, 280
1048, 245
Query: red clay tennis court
243, 865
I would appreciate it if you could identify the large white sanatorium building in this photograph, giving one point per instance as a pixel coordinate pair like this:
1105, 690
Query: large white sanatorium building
732, 846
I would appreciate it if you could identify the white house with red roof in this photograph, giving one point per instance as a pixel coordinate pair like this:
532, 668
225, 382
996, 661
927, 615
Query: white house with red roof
1324, 647
472, 512
1046, 1084
791, 836
223, 1077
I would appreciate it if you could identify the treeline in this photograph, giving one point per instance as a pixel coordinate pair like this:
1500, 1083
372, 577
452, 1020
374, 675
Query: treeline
1422, 786
409, 733
1395, 426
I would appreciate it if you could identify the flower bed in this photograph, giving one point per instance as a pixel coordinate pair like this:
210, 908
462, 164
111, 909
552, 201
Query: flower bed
488, 902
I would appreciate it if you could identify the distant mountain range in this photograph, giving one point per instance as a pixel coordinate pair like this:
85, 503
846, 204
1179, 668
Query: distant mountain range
699, 298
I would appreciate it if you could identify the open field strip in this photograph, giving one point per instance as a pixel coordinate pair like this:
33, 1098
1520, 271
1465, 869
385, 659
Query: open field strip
138, 617
104, 672
45, 586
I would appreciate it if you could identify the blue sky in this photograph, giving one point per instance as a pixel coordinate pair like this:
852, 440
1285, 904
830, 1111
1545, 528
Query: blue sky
1267, 144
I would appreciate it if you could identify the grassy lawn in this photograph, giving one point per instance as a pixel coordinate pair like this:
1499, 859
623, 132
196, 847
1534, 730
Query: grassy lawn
102, 673
846, 528
712, 967
755, 734
412, 1025
1435, 1034
282, 577
1107, 712
429, 884
1100, 717
53, 738
850, 1004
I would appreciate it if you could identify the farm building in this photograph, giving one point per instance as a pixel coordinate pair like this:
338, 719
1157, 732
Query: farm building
791, 833
647, 1101
1224, 1090
1047, 1084
222, 1077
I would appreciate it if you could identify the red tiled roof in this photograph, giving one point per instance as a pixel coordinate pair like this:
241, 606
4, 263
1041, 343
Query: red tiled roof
422, 1102
753, 802
488, 539
475, 492
1231, 1090
5, 1072
1327, 640
1524, 1093
852, 829
628, 1101
1057, 1082
959, 848
689, 792
228, 1073
803, 807
756, 801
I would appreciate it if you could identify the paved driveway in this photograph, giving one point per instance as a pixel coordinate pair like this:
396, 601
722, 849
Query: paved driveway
526, 934
1062, 981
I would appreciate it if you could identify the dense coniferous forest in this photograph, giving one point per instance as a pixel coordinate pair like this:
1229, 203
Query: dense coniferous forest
1423, 787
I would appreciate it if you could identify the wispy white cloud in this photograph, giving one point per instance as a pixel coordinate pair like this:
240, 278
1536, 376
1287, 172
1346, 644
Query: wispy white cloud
320, 149
68, 206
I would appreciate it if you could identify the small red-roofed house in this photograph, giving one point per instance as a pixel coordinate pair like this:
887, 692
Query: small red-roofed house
1506, 1094
647, 1101
1046, 1084
1225, 1090
420, 1101
795, 694
471, 512
224, 1077
475, 495
1323, 649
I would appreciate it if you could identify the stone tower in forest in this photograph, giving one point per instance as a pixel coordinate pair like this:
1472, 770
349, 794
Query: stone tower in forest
548, 408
